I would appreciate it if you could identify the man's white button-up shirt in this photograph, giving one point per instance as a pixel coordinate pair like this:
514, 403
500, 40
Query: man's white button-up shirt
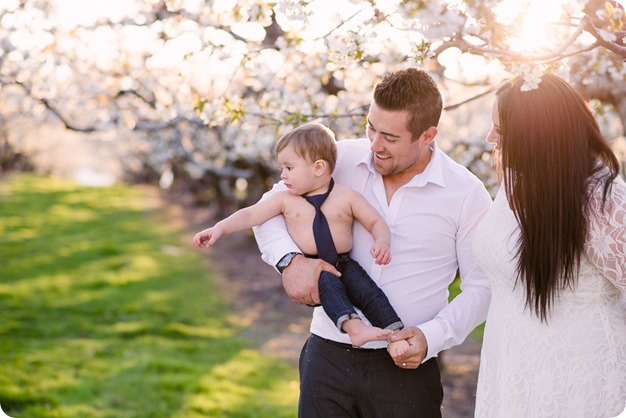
432, 220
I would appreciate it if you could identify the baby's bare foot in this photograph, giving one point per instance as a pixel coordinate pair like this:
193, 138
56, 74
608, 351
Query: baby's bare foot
360, 333
397, 348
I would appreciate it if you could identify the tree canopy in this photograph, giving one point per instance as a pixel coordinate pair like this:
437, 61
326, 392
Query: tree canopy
209, 85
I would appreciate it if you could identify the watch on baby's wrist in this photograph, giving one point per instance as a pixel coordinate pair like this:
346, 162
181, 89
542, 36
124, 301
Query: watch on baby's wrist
285, 261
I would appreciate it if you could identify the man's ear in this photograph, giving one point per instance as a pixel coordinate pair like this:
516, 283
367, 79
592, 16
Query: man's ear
428, 136
320, 167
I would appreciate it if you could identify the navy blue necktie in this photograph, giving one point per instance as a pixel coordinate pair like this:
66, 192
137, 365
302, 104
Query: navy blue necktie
321, 231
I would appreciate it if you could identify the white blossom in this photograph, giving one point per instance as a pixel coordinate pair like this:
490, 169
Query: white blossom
293, 9
531, 82
247, 91
472, 28
520, 70
530, 75
607, 36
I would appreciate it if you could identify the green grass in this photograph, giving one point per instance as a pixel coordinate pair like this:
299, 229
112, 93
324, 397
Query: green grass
103, 313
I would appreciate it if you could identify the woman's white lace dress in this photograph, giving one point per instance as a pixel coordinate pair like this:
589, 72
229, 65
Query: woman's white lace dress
575, 365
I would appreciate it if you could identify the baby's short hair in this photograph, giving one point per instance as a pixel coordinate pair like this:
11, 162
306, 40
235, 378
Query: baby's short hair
312, 141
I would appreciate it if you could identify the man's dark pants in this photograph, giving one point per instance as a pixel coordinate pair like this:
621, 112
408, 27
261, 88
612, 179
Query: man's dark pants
341, 381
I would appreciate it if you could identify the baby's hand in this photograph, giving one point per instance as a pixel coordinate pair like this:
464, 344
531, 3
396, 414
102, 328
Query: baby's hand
381, 253
206, 237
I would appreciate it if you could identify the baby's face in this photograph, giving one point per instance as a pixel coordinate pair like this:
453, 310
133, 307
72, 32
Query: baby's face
298, 174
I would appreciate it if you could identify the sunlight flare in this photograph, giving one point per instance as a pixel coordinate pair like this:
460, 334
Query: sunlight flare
533, 24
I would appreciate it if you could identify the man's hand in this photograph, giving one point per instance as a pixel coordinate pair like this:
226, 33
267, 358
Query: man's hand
301, 276
418, 347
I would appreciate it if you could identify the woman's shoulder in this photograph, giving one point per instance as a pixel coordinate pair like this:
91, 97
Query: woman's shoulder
617, 194
607, 206
598, 181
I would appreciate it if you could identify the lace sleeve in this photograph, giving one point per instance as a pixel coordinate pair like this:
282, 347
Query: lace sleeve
606, 246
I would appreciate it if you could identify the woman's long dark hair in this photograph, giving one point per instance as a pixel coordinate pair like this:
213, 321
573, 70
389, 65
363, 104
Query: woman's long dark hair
553, 155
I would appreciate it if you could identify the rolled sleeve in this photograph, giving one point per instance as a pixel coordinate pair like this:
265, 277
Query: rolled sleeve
272, 237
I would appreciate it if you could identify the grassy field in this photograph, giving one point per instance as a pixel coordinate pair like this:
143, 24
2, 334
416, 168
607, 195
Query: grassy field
104, 313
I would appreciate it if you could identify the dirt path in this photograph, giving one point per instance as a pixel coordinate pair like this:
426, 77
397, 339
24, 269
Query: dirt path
279, 327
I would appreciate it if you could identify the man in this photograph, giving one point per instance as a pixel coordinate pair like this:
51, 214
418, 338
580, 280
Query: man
432, 206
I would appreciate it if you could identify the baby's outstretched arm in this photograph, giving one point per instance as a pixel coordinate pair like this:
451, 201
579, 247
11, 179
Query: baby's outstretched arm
242, 219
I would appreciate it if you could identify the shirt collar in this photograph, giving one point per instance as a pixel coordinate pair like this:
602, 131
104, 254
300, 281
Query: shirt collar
433, 173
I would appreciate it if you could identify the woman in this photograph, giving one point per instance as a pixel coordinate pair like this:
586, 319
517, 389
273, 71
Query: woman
553, 244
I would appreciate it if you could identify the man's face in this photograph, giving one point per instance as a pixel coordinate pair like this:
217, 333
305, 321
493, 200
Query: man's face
391, 142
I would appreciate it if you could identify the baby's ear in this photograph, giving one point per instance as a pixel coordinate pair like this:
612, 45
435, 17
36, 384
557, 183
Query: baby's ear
320, 167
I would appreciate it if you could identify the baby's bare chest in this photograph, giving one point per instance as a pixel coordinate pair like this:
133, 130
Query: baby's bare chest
299, 211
